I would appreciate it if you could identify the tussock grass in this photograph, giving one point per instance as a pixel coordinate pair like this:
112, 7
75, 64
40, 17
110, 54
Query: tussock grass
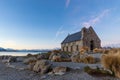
111, 61
84, 50
83, 59
97, 50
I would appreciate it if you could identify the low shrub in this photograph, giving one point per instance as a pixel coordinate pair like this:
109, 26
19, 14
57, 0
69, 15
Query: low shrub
96, 72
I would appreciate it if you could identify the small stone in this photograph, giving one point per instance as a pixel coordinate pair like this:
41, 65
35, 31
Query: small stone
59, 73
43, 77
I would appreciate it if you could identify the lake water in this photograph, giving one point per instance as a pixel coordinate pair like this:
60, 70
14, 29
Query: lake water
18, 53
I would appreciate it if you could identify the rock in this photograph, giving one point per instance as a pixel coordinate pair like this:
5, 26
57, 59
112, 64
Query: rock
29, 60
12, 59
31, 65
43, 56
59, 73
60, 57
56, 58
19, 59
51, 73
75, 57
42, 66
52, 54
43, 77
60, 70
5, 61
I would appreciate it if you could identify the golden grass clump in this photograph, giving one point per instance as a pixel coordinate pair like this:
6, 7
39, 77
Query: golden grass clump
111, 61
83, 50
97, 50
83, 59
88, 59
106, 51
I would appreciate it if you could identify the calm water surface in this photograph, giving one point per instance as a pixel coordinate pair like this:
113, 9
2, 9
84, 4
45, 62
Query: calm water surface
18, 53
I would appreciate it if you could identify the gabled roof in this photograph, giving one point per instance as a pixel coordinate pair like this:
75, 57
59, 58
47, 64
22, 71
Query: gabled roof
72, 37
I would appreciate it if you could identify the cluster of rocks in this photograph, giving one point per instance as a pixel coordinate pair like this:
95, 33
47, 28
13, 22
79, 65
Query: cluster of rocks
41, 63
8, 59
44, 66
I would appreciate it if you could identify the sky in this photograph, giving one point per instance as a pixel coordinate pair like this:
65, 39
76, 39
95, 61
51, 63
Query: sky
43, 24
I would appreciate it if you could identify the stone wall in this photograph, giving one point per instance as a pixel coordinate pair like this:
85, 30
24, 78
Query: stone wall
72, 46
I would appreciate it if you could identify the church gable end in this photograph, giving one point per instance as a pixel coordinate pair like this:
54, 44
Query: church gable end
91, 39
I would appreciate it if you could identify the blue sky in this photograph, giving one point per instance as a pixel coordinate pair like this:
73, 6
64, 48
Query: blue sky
43, 24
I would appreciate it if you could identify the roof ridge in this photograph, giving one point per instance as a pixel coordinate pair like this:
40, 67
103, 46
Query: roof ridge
73, 37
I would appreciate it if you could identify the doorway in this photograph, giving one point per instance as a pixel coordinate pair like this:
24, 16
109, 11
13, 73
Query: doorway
91, 45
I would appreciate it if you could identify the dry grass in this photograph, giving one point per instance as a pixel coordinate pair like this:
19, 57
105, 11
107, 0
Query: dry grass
83, 50
88, 59
111, 61
97, 50
83, 59
106, 51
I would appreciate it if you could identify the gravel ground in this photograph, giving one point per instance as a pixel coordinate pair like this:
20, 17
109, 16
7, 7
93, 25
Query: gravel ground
17, 71
7, 73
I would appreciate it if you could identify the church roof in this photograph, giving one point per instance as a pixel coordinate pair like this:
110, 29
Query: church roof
72, 37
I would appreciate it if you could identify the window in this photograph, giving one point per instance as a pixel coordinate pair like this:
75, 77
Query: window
77, 48
67, 48
71, 48
63, 49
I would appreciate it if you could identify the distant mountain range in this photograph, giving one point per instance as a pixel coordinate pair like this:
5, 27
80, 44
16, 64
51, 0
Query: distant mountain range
23, 50
113, 45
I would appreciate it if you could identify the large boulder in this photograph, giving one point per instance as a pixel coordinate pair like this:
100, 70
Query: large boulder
12, 59
42, 56
29, 60
56, 58
31, 65
42, 66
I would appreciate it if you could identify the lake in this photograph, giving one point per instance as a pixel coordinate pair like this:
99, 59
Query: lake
17, 53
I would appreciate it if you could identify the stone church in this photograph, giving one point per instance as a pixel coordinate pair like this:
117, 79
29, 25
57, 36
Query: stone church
87, 37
